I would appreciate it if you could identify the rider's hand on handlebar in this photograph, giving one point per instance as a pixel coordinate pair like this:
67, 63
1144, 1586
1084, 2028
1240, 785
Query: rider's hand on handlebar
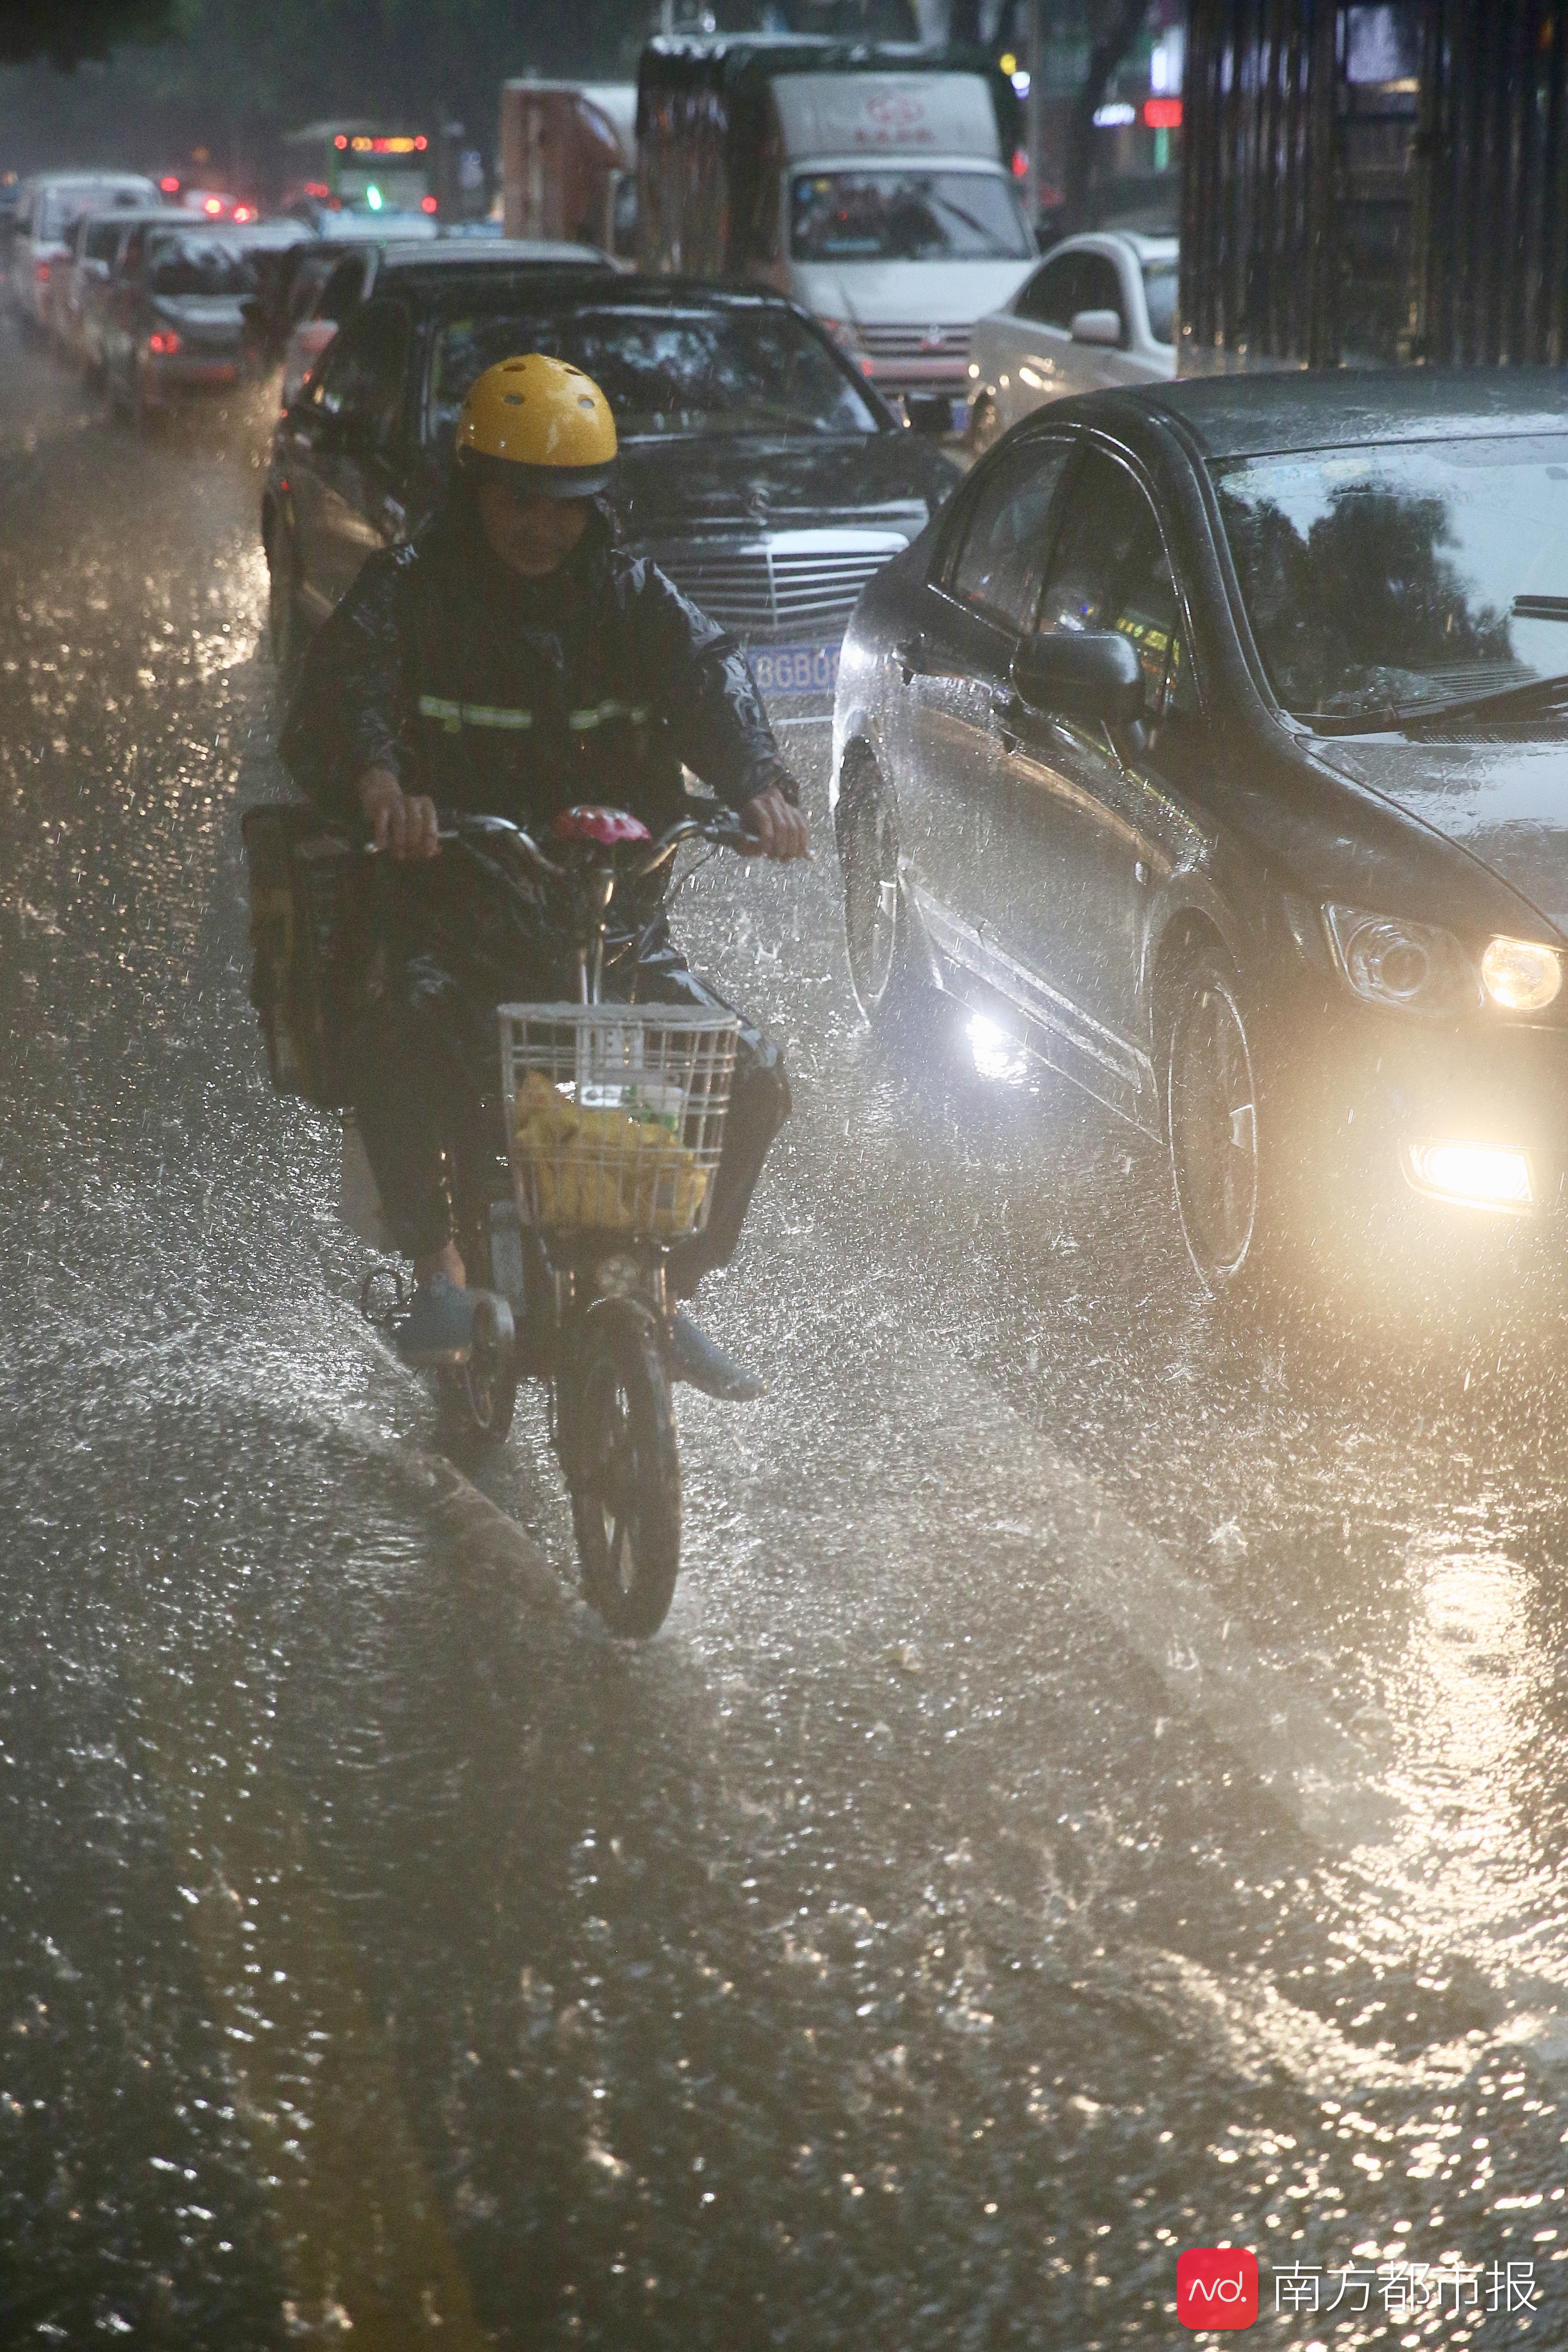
780, 831
403, 823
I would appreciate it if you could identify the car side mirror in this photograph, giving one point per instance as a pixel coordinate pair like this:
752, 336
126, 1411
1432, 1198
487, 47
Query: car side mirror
1081, 674
1096, 327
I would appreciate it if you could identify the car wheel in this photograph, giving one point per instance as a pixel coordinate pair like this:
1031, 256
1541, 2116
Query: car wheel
1211, 1117
985, 426
877, 918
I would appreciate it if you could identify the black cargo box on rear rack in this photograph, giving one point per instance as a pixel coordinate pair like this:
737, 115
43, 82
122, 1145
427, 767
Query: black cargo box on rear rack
310, 934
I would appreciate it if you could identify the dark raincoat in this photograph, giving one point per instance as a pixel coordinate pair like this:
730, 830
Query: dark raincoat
514, 698
500, 696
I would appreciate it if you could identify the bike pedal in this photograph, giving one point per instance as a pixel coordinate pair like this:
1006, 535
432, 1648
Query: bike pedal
380, 1309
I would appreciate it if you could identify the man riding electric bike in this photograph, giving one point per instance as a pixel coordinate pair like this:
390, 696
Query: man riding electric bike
513, 661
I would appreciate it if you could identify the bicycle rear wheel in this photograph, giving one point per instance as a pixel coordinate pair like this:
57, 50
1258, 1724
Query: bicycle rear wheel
625, 1494
479, 1397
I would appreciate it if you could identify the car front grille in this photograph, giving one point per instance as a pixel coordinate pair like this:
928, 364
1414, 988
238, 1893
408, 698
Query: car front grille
794, 587
916, 342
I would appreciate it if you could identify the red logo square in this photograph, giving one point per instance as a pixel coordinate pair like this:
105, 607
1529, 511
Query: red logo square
1216, 2286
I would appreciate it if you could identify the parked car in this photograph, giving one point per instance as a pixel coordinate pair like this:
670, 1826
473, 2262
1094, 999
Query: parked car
177, 324
332, 284
79, 283
47, 208
758, 468
344, 222
216, 205
1102, 310
1214, 743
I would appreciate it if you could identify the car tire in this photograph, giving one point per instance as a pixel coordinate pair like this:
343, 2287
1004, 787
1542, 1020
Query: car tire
1224, 1181
985, 426
879, 924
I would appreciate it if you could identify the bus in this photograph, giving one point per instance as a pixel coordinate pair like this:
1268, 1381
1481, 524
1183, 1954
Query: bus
360, 167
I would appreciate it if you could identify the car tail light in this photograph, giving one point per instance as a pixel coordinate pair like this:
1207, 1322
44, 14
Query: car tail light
163, 341
427, 203
41, 271
244, 212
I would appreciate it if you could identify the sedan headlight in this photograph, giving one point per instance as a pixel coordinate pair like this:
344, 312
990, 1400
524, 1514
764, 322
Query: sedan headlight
1418, 967
1521, 975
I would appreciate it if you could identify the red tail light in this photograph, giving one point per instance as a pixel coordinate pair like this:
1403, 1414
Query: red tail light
163, 341
41, 272
427, 203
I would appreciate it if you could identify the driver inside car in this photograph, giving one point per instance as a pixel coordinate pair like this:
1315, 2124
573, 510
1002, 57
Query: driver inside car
514, 661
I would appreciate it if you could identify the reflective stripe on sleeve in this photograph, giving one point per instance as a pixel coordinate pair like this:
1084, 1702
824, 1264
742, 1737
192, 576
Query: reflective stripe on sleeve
635, 711
456, 715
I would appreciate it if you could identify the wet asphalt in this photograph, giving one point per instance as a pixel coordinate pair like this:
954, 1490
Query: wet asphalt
1100, 1789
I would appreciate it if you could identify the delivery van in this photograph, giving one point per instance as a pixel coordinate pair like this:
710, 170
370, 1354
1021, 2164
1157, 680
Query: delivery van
873, 184
568, 162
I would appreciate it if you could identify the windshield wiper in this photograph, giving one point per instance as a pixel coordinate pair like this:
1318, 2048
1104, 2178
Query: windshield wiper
1411, 715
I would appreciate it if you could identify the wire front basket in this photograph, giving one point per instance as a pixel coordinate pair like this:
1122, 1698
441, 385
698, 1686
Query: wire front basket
615, 1114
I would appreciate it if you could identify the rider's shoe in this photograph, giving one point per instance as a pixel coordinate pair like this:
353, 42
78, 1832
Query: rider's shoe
694, 1356
439, 1326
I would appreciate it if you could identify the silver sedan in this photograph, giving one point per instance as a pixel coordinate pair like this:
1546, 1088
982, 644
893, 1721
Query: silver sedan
1099, 311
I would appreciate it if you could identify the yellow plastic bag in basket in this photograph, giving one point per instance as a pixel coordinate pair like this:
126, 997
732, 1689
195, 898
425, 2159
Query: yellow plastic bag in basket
601, 1168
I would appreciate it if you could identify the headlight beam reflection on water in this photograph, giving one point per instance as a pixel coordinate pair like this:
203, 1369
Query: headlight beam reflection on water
996, 1053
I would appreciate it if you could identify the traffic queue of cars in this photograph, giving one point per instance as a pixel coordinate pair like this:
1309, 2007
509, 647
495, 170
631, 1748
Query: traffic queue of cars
166, 293
1208, 741
759, 468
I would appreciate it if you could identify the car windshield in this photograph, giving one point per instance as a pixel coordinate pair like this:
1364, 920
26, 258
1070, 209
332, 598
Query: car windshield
1160, 280
1404, 575
193, 263
906, 217
665, 370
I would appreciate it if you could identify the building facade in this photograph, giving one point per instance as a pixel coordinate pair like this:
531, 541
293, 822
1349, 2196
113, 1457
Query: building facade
1373, 185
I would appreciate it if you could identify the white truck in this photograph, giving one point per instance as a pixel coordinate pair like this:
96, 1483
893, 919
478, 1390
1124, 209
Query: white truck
872, 184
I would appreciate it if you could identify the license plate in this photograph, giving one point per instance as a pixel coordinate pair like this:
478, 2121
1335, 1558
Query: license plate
795, 670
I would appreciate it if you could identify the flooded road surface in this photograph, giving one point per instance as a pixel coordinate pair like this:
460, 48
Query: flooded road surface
1100, 1789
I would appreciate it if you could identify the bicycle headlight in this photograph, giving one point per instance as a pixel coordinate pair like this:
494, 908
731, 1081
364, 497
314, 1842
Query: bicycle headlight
1416, 967
1521, 975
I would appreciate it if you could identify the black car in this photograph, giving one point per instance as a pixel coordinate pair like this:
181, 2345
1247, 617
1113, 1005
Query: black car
328, 282
1214, 742
176, 316
757, 466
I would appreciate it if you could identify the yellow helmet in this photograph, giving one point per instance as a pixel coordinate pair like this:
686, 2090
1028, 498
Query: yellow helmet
543, 422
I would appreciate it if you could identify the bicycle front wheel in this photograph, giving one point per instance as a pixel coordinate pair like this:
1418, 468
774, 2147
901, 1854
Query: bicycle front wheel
626, 1495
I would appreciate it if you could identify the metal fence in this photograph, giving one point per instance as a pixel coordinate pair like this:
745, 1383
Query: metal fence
1375, 184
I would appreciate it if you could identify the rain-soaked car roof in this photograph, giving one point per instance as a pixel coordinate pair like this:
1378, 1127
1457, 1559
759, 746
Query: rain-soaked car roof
1249, 415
